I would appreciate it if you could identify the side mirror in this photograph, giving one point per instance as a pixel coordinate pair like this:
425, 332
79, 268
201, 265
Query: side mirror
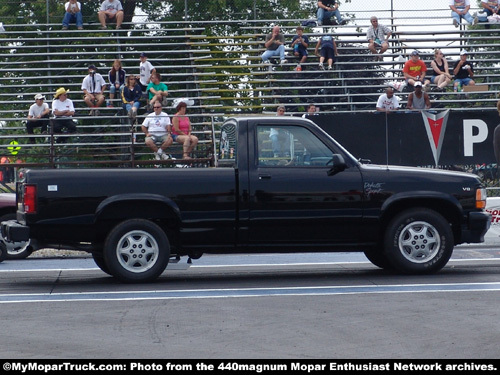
338, 164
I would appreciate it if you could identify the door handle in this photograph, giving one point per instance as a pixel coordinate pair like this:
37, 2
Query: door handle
264, 177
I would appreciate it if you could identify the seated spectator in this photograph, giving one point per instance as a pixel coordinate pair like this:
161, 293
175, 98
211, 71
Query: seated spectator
491, 7
418, 99
463, 72
131, 96
157, 91
116, 78
111, 11
181, 131
326, 10
73, 14
38, 116
378, 37
93, 87
414, 70
388, 102
275, 46
328, 51
440, 71
300, 42
311, 110
279, 137
63, 111
459, 10
157, 128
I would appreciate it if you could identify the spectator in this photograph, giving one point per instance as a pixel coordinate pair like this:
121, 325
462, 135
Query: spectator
93, 87
73, 14
311, 110
279, 137
146, 69
418, 99
181, 131
131, 96
275, 46
491, 7
63, 111
414, 70
388, 102
157, 128
300, 42
440, 71
116, 78
326, 10
38, 116
463, 72
459, 10
378, 37
157, 90
111, 11
328, 51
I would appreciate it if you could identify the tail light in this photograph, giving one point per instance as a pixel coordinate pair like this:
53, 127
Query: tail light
481, 198
29, 199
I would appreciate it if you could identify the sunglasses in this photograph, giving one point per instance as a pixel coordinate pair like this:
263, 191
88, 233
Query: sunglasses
156, 107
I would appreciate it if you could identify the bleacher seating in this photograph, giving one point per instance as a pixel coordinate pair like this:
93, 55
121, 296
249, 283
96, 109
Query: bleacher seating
222, 74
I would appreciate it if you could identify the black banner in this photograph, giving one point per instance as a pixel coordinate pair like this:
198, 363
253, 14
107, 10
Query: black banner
415, 138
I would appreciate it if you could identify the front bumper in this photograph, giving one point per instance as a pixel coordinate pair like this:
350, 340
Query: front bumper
476, 227
12, 231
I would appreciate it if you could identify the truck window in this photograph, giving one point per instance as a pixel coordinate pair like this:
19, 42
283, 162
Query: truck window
228, 145
290, 146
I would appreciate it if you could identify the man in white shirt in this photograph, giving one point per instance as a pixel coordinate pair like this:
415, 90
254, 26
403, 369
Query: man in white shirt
63, 111
157, 127
111, 11
387, 102
459, 10
93, 87
73, 14
146, 70
38, 115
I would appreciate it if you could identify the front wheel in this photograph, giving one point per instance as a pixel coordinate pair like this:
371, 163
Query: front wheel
418, 241
136, 250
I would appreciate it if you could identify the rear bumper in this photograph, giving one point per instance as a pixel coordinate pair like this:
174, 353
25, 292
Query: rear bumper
476, 227
12, 231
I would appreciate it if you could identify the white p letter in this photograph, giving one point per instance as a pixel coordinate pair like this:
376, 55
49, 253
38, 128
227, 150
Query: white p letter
470, 138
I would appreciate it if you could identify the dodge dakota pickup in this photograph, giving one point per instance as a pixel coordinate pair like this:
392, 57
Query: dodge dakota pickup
280, 184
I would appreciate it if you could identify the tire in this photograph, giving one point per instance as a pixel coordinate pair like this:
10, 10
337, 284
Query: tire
136, 250
378, 258
418, 241
16, 250
99, 261
3, 252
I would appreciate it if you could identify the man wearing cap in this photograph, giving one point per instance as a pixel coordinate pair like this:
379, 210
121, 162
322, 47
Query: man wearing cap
463, 72
38, 115
418, 99
146, 69
414, 70
93, 87
157, 128
387, 102
63, 111
378, 37
111, 11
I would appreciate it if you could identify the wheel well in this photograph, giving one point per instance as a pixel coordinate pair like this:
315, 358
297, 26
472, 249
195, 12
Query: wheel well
449, 211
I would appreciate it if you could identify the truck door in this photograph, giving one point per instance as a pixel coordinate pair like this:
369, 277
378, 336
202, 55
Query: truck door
292, 197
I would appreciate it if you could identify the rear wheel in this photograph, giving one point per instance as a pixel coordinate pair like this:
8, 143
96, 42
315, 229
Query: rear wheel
418, 241
136, 250
16, 250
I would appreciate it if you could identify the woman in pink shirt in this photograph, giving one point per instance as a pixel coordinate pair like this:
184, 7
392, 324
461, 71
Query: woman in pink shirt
181, 131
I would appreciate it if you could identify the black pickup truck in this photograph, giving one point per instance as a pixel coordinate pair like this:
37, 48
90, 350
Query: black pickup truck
280, 184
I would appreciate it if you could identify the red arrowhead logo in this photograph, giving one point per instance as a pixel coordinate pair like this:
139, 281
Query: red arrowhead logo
435, 126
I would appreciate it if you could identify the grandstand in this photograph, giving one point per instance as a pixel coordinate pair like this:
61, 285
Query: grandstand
223, 74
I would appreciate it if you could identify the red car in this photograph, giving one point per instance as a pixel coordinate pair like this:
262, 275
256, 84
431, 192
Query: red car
15, 250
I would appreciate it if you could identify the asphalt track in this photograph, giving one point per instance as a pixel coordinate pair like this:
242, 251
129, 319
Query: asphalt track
253, 306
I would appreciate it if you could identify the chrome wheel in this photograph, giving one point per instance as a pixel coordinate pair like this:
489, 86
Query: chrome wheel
419, 242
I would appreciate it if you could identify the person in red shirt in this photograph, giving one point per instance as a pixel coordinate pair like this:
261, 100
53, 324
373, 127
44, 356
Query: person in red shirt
414, 70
